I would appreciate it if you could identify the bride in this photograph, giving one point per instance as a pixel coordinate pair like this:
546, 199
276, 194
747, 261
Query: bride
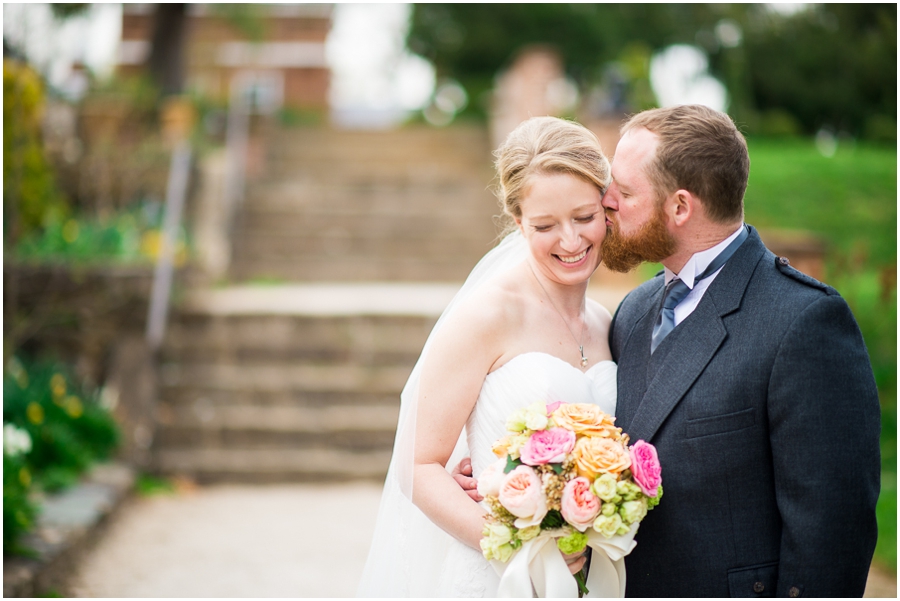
520, 330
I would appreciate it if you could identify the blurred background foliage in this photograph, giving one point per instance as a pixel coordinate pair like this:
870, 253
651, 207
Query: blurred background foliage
830, 65
31, 196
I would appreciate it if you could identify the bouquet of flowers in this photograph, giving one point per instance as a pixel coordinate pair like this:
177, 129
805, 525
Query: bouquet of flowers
567, 475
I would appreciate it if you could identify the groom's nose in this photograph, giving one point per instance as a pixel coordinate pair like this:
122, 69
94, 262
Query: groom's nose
610, 200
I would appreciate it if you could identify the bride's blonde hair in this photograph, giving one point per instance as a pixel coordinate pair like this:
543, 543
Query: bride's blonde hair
547, 145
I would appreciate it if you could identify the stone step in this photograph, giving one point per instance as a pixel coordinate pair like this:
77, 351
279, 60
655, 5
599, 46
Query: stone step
267, 378
353, 268
183, 437
308, 420
414, 140
335, 243
273, 465
201, 401
298, 195
369, 340
450, 224
278, 427
370, 172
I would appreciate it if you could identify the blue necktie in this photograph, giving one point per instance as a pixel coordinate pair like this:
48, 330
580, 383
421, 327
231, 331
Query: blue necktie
677, 290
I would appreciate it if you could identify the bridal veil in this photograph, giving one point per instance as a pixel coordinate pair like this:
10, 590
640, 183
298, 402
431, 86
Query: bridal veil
407, 552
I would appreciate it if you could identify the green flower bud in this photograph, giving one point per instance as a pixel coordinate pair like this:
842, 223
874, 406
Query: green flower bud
633, 511
608, 525
573, 543
530, 532
605, 487
516, 421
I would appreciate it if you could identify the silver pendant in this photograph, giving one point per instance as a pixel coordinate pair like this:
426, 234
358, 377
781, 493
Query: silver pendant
584, 360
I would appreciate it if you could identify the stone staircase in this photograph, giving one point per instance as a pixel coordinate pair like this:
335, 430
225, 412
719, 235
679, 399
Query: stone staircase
262, 397
345, 254
406, 205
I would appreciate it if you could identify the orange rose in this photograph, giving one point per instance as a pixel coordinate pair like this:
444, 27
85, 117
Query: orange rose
595, 455
586, 420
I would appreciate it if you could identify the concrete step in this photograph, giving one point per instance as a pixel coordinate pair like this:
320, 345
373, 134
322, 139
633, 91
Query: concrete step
286, 339
268, 378
203, 401
351, 428
381, 199
342, 268
409, 141
419, 228
337, 242
261, 466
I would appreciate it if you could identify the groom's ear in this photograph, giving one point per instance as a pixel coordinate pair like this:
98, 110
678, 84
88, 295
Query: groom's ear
680, 206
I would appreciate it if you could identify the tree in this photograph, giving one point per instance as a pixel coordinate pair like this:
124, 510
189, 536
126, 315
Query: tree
167, 44
830, 64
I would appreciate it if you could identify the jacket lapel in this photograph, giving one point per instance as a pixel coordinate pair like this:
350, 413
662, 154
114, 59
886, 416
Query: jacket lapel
694, 342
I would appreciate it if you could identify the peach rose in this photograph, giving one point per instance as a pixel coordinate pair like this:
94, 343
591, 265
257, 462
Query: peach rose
522, 494
586, 420
594, 456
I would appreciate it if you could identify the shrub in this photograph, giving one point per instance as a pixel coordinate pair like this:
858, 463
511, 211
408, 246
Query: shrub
67, 430
30, 192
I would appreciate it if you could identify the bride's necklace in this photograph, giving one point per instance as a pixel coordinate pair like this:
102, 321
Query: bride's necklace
580, 343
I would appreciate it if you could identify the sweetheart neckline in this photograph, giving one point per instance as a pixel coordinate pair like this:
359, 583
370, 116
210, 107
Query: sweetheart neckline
563, 361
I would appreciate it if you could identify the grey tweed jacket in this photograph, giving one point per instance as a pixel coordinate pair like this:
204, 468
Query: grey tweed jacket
764, 410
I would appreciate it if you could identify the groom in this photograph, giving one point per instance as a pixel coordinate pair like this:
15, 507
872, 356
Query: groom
751, 379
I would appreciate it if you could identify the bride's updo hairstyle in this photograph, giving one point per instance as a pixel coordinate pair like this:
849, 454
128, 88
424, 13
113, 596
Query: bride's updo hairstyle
543, 146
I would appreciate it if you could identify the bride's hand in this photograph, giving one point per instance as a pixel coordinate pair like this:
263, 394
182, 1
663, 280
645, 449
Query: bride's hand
462, 474
575, 561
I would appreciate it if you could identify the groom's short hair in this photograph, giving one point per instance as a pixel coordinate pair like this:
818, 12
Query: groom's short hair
700, 150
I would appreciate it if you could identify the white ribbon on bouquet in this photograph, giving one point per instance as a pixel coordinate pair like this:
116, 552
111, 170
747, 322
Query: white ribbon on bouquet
538, 567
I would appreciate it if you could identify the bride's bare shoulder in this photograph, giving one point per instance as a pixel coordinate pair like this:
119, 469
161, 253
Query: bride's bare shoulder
598, 311
493, 309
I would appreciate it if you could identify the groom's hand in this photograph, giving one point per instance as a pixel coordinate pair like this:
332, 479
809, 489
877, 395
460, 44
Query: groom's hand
462, 473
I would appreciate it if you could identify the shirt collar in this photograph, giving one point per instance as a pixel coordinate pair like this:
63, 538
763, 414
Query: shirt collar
699, 261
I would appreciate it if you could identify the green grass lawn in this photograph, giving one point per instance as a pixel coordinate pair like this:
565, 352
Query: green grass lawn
849, 199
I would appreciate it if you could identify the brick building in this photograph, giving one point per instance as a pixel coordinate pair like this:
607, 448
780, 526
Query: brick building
286, 68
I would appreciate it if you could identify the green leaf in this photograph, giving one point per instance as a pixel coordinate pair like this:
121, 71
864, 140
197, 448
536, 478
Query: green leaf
511, 464
552, 520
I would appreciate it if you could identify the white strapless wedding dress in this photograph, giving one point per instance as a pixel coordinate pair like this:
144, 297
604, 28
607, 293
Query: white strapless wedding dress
520, 382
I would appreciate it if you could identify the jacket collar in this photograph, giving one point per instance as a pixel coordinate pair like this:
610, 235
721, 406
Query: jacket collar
693, 343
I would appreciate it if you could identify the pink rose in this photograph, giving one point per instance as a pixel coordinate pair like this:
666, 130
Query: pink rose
547, 446
579, 505
522, 493
553, 406
645, 467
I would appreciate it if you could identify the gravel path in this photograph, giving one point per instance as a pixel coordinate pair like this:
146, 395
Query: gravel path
235, 541
250, 541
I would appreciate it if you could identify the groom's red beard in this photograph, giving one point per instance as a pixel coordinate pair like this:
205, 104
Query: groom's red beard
651, 243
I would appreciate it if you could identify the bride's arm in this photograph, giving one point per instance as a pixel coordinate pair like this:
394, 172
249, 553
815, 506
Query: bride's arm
460, 357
